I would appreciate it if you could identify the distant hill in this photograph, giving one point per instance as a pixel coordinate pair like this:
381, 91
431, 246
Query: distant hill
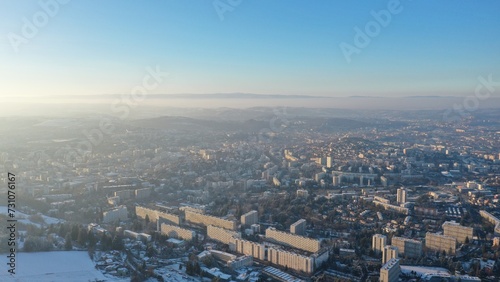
229, 96
189, 124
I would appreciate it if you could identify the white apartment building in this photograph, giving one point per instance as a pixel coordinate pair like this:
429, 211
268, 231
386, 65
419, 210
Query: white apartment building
292, 240
379, 241
249, 218
203, 219
177, 232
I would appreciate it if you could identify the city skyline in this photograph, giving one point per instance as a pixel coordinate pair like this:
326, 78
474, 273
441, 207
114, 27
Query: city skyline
237, 140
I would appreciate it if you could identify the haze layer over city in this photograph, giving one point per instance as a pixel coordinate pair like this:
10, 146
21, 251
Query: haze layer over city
234, 140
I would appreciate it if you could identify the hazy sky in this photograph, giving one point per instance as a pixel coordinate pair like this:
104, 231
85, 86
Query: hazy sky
259, 46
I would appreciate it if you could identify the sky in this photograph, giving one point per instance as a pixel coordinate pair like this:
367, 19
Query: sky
250, 46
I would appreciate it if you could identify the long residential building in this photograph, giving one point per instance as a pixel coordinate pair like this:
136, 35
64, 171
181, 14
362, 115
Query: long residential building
196, 208
177, 232
457, 231
205, 220
220, 234
437, 242
392, 207
492, 219
249, 248
407, 247
292, 240
124, 194
291, 260
154, 215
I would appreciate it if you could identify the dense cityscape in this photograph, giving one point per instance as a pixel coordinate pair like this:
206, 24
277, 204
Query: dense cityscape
261, 194
249, 141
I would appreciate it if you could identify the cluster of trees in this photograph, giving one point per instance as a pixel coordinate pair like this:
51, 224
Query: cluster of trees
75, 235
193, 268
37, 244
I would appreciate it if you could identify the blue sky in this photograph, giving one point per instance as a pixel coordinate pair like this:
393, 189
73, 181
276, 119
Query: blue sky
269, 47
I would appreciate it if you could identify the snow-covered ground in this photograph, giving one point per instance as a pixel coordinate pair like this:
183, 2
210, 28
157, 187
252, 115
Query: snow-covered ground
172, 273
423, 270
54, 266
24, 218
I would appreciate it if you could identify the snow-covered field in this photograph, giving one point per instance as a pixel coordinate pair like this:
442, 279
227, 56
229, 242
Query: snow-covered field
24, 218
54, 266
172, 273
422, 270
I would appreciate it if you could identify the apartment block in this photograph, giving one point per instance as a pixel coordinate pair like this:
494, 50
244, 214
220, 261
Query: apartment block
329, 162
302, 193
299, 227
457, 231
240, 262
389, 252
220, 234
251, 217
124, 194
137, 236
248, 248
437, 242
154, 215
392, 207
390, 271
292, 240
117, 214
379, 241
143, 193
177, 232
203, 219
408, 247
401, 196
492, 219
291, 260
199, 209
